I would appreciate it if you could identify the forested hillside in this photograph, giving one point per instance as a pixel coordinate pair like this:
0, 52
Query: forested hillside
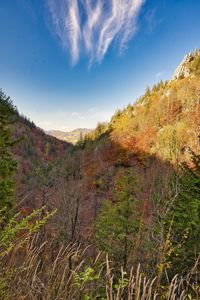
34, 151
127, 200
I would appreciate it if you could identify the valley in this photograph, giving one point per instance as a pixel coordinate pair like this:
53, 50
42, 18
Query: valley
124, 199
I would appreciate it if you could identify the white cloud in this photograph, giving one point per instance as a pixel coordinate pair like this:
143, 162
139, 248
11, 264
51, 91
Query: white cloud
92, 26
93, 19
66, 21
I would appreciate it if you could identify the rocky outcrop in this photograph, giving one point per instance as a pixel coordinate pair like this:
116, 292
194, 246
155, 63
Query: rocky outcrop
185, 67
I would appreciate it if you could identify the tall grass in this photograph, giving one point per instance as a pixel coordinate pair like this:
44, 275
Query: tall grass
46, 272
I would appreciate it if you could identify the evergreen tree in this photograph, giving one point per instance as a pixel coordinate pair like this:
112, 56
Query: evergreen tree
7, 163
80, 142
185, 217
118, 222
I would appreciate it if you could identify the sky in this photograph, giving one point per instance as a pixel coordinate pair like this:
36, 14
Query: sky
70, 64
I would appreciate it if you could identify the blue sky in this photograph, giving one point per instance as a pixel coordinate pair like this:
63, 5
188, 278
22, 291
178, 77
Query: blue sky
71, 63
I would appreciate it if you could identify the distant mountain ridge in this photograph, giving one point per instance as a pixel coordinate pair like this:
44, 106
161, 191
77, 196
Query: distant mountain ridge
71, 136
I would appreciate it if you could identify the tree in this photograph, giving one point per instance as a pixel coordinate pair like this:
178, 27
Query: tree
119, 221
7, 163
185, 217
80, 142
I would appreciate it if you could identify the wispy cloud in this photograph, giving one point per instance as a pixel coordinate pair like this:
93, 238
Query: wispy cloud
66, 22
91, 26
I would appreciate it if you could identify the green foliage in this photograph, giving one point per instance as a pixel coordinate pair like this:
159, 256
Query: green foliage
118, 221
13, 237
7, 163
18, 230
84, 277
185, 216
122, 283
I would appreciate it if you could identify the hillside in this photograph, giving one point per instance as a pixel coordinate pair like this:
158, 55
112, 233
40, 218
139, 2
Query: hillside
151, 138
71, 137
165, 120
35, 153
129, 190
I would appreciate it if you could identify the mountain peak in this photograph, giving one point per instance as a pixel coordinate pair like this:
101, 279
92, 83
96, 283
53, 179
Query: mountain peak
189, 64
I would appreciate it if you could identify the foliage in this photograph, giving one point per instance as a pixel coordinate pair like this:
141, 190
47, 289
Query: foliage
17, 230
95, 135
84, 280
119, 220
185, 216
164, 121
7, 163
119, 161
13, 238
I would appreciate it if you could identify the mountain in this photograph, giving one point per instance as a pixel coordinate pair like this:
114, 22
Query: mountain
130, 190
151, 136
71, 136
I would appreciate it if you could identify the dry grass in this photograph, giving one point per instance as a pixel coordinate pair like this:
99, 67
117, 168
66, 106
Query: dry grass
40, 272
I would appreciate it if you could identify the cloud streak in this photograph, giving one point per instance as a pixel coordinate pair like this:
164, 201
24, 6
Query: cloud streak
91, 26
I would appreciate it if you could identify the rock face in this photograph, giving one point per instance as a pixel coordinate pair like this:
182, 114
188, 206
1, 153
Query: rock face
184, 69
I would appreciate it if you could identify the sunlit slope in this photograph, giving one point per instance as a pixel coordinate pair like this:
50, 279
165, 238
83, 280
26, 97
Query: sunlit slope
166, 120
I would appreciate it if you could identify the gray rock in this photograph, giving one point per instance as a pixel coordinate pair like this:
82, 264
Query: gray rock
184, 69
